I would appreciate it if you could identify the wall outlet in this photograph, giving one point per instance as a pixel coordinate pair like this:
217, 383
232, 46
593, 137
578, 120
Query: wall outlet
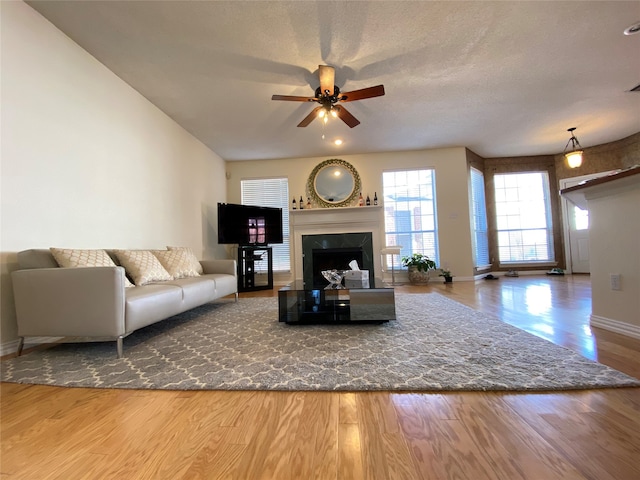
616, 281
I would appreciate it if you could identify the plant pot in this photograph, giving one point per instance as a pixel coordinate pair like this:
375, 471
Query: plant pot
447, 279
418, 277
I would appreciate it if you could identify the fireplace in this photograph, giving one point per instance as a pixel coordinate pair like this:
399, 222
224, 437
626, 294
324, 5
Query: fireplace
325, 228
328, 251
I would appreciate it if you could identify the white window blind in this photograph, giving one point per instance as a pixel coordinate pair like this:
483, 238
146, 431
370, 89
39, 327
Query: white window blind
479, 219
271, 192
523, 217
410, 212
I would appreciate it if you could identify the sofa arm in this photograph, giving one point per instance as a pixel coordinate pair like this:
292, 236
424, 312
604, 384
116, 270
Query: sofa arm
219, 266
70, 302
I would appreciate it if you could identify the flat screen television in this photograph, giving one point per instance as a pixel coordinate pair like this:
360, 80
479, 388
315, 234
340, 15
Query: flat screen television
248, 224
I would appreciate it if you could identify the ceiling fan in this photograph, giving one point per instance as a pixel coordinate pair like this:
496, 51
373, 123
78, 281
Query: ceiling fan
329, 97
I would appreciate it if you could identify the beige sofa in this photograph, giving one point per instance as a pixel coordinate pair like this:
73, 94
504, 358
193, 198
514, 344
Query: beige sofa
93, 303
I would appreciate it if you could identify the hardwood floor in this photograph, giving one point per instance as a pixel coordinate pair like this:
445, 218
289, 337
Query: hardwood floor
75, 433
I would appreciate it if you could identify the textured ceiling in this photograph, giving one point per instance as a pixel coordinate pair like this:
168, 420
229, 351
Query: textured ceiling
501, 78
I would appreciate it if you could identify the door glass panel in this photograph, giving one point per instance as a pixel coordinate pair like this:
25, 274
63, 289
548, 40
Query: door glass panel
581, 218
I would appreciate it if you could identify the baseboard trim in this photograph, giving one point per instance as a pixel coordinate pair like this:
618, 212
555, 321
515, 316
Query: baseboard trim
615, 326
9, 348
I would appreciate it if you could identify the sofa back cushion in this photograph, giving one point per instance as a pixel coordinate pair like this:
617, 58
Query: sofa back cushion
36, 258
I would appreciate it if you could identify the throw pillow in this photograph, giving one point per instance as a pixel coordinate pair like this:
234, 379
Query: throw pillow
193, 260
142, 266
72, 258
177, 262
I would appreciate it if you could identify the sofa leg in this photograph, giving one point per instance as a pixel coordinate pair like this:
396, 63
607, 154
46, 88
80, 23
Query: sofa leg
20, 345
236, 297
119, 346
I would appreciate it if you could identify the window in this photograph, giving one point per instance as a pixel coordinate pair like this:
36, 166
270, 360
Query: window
479, 219
271, 192
523, 217
410, 212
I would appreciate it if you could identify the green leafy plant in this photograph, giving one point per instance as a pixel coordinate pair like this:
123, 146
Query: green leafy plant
445, 273
420, 261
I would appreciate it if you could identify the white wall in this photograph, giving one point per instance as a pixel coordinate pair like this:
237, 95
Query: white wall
452, 201
614, 238
87, 162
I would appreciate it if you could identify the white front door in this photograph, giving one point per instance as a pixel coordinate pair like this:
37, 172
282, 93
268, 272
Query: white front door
576, 228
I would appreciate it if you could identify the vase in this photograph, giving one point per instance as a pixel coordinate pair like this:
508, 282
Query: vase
418, 277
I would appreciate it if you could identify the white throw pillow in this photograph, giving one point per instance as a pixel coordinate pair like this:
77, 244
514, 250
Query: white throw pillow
177, 262
73, 258
195, 263
142, 266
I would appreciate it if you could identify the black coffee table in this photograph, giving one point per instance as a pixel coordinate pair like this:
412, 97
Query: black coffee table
297, 304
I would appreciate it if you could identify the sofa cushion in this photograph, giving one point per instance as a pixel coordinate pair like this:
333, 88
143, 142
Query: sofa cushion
196, 291
193, 259
142, 266
151, 303
177, 262
73, 258
225, 284
36, 258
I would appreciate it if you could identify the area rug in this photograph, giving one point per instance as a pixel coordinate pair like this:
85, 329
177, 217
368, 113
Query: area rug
436, 344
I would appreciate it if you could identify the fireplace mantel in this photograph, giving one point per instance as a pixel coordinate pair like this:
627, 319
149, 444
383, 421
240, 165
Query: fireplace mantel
319, 221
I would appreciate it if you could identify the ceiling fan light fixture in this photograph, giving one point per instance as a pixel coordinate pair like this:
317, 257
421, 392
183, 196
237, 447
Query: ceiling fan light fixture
573, 153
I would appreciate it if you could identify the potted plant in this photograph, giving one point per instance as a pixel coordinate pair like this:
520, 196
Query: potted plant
448, 278
419, 266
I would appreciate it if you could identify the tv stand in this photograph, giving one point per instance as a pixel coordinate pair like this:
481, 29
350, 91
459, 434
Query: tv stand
248, 280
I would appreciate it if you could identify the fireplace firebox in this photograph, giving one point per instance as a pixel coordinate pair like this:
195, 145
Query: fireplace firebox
329, 251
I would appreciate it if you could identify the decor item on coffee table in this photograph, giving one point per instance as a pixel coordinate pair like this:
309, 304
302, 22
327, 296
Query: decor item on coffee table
334, 277
419, 266
242, 346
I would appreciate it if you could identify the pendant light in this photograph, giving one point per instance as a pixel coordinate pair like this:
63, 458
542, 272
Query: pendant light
573, 154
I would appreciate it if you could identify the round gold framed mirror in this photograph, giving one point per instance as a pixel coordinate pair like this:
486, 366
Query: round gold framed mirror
334, 183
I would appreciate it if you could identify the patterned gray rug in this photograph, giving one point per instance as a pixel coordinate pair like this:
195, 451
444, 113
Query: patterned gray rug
229, 346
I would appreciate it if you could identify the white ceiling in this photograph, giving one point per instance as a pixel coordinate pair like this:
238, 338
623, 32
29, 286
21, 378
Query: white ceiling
501, 78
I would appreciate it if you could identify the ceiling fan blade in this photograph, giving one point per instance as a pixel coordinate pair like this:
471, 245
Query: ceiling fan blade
369, 92
309, 118
346, 117
293, 98
327, 78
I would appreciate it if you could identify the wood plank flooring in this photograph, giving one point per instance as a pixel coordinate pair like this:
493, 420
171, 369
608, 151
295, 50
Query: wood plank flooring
75, 433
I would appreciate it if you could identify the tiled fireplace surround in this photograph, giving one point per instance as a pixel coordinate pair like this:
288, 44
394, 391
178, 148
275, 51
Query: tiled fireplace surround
326, 222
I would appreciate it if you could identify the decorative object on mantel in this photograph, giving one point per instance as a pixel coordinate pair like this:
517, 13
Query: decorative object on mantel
419, 266
573, 154
334, 183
